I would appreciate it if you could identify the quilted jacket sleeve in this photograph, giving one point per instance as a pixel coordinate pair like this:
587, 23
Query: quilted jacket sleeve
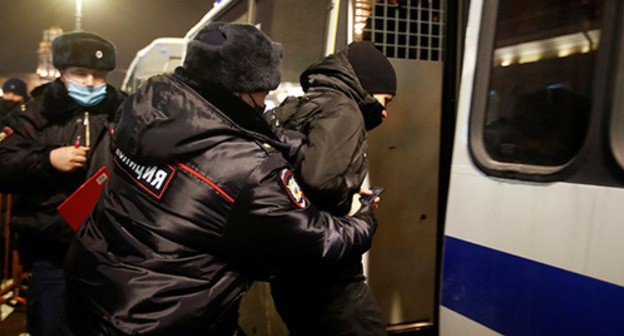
274, 225
24, 160
327, 167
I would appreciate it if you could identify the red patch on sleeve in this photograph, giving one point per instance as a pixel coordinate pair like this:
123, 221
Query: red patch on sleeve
5, 133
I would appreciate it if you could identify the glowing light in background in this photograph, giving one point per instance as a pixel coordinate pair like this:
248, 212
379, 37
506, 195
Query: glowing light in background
362, 12
559, 46
78, 15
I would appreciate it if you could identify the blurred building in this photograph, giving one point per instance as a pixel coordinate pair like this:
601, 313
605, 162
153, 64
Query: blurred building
45, 70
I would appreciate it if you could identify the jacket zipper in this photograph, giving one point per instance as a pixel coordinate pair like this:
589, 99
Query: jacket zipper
87, 129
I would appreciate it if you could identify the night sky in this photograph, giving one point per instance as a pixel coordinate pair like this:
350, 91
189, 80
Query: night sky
129, 24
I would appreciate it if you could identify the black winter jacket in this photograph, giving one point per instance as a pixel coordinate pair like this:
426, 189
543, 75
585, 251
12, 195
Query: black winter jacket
332, 163
201, 202
51, 120
8, 108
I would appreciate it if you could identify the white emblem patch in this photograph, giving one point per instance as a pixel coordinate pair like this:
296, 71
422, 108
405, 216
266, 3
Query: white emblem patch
153, 179
99, 54
293, 189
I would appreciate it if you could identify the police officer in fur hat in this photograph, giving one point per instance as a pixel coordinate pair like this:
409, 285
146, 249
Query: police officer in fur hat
46, 153
346, 95
203, 200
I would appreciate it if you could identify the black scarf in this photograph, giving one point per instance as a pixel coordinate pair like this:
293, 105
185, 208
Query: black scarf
233, 107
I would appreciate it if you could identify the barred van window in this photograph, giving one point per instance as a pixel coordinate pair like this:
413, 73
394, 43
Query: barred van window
407, 29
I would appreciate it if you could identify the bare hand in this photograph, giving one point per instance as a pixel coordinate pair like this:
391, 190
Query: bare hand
69, 158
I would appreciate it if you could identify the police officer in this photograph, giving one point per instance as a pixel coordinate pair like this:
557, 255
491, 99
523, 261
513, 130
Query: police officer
14, 94
202, 200
46, 153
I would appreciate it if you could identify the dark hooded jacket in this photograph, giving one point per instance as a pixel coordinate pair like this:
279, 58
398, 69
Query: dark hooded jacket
332, 163
50, 120
201, 202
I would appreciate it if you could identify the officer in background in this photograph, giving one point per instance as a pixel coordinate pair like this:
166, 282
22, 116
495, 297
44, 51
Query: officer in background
14, 94
202, 200
47, 152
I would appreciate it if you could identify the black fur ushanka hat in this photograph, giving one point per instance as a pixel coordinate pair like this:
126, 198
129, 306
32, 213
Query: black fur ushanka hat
239, 57
83, 49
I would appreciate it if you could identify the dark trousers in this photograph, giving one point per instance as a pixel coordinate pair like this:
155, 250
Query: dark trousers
329, 310
45, 299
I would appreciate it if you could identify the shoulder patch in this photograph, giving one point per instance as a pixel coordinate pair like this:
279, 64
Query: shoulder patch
153, 179
5, 133
293, 189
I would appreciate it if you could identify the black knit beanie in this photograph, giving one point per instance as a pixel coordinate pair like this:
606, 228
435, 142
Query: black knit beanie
239, 57
372, 68
83, 49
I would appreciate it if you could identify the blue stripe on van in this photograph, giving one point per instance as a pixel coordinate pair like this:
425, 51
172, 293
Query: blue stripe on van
518, 296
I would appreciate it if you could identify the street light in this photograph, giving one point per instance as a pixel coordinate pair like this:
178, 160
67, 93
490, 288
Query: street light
78, 15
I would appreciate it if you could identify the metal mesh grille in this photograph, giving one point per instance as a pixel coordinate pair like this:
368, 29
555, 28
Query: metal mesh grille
408, 29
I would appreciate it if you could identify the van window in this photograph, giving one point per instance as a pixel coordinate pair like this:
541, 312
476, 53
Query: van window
535, 96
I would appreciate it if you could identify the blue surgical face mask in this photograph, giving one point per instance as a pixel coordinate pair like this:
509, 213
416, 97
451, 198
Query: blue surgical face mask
84, 95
